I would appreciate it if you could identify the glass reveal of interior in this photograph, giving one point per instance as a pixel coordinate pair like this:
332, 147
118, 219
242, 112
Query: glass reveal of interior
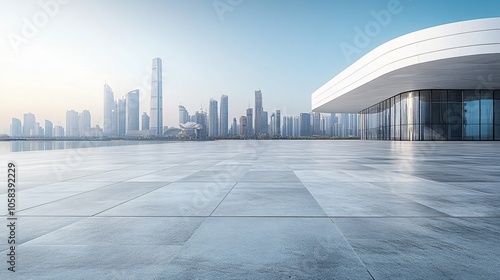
434, 115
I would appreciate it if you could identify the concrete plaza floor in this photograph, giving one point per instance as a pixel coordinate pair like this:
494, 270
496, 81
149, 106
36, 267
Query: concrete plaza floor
257, 210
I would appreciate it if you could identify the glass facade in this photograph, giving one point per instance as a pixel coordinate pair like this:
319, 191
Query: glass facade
434, 115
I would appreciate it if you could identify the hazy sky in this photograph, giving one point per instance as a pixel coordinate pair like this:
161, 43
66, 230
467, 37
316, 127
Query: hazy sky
57, 58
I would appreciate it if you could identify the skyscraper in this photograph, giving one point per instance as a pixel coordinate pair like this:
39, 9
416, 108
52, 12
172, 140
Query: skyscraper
122, 117
234, 127
145, 121
296, 126
48, 128
29, 124
272, 125
258, 113
72, 124
277, 130
213, 118
157, 98
288, 126
354, 124
183, 115
109, 112
132, 110
265, 123
316, 123
38, 130
58, 131
224, 116
84, 123
250, 130
305, 124
243, 126
201, 119
16, 128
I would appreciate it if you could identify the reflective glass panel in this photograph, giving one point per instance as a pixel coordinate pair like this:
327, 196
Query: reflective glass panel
496, 115
454, 113
471, 115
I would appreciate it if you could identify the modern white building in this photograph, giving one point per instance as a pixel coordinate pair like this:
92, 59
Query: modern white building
440, 83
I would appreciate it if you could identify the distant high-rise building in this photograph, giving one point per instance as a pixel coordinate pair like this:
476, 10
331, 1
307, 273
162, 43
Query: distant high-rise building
49, 127
344, 125
354, 125
85, 123
243, 126
110, 112
72, 124
132, 111
250, 130
122, 117
296, 126
277, 130
272, 125
325, 125
234, 127
157, 98
145, 121
284, 128
224, 116
258, 113
316, 123
38, 130
29, 125
265, 124
183, 115
16, 128
58, 131
201, 119
213, 118
305, 124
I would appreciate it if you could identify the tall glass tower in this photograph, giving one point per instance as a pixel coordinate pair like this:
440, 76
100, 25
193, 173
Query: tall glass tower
183, 115
109, 111
132, 110
16, 128
224, 117
156, 99
250, 130
213, 125
258, 113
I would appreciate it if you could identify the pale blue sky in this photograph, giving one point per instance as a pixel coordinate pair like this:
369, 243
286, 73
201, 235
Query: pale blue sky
286, 48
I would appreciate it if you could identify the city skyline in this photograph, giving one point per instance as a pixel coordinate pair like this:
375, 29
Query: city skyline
294, 47
123, 121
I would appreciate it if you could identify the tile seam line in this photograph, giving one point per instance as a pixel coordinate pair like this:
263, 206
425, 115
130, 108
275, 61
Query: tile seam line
213, 211
352, 249
130, 199
80, 218
72, 195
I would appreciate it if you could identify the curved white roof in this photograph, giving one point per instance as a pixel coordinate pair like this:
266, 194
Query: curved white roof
461, 55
